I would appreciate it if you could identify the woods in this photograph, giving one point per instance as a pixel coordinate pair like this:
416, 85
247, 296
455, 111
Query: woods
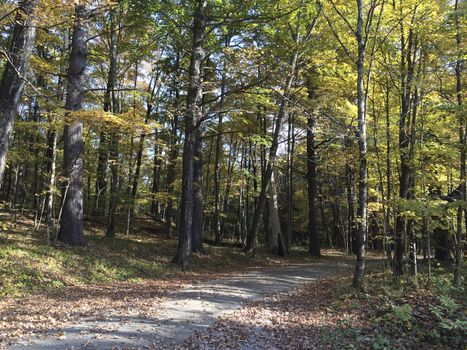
291, 127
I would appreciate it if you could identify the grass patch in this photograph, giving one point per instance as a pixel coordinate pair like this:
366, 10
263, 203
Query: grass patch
28, 263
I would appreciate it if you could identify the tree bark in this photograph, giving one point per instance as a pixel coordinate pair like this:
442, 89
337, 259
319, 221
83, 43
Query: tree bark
290, 177
198, 214
389, 185
462, 154
314, 246
71, 227
13, 79
173, 148
114, 185
277, 242
251, 237
192, 120
103, 152
362, 227
114, 138
101, 172
52, 153
218, 154
407, 70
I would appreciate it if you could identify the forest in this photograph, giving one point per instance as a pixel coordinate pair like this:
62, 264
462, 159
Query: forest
152, 146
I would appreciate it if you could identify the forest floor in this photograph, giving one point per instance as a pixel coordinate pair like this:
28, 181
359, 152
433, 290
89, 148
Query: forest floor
125, 294
193, 308
47, 286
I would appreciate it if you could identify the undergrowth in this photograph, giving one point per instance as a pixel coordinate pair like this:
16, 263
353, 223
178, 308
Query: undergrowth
409, 313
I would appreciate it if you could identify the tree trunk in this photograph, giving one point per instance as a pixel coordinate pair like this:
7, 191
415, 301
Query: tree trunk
103, 152
139, 160
407, 69
314, 246
12, 84
362, 228
101, 172
71, 227
173, 149
217, 177
277, 241
463, 149
290, 188
389, 185
114, 185
198, 214
156, 176
192, 120
52, 153
230, 166
114, 139
251, 237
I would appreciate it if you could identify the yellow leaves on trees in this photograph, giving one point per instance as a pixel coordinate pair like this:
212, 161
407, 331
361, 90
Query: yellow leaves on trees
129, 122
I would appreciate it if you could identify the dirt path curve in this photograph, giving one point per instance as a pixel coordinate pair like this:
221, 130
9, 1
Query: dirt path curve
190, 309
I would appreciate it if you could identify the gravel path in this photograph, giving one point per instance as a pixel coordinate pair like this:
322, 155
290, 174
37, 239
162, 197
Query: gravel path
193, 308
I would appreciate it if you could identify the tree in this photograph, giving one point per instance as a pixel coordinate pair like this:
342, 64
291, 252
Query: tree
14, 73
193, 118
463, 150
362, 32
71, 225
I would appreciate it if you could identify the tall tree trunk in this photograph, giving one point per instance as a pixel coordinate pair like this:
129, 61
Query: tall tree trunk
139, 160
407, 69
234, 147
12, 84
112, 101
351, 225
277, 241
362, 227
218, 154
290, 188
217, 177
37, 179
198, 214
101, 174
129, 204
52, 154
314, 246
173, 148
389, 185
103, 152
71, 227
114, 184
156, 176
251, 237
192, 122
463, 150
